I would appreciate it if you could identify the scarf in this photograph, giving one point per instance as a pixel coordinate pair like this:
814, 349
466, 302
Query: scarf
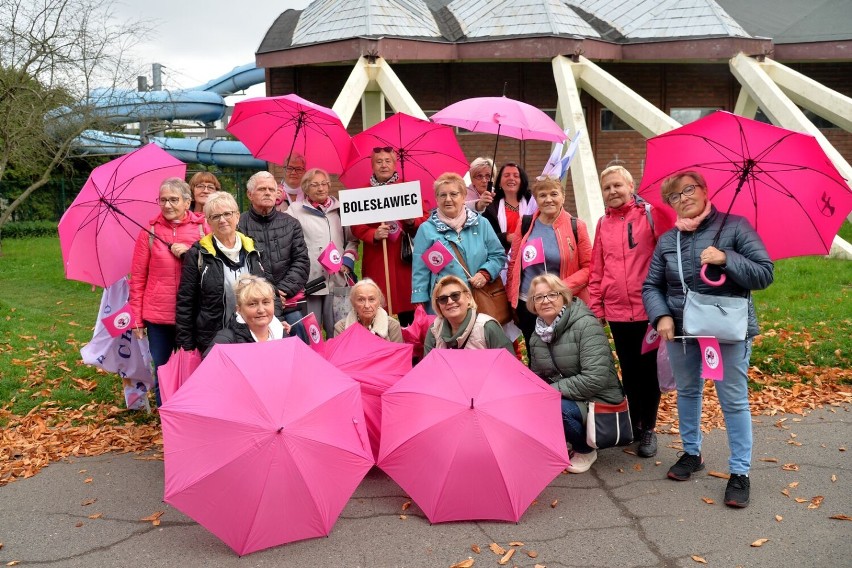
456, 224
276, 328
524, 208
233, 257
379, 325
375, 183
459, 339
690, 224
323, 207
544, 331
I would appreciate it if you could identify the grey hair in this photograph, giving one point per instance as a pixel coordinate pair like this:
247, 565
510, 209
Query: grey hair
309, 176
178, 185
361, 284
253, 180
621, 170
219, 199
481, 163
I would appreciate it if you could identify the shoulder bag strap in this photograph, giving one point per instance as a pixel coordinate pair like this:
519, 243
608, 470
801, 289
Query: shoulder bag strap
460, 258
680, 265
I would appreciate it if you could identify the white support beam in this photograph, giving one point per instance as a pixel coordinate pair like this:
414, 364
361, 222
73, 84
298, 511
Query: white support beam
350, 95
584, 174
745, 106
641, 115
810, 94
395, 92
372, 108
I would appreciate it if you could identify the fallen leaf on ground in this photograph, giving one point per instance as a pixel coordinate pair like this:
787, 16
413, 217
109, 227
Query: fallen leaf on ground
657, 462
816, 502
637, 466
497, 549
13, 563
842, 449
785, 492
718, 474
841, 517
760, 542
403, 517
475, 548
532, 553
79, 524
699, 559
506, 557
154, 516
790, 467
793, 485
406, 505
708, 500
540, 566
464, 563
770, 460
88, 480
629, 451
554, 503
779, 518
801, 500
88, 502
516, 543
96, 516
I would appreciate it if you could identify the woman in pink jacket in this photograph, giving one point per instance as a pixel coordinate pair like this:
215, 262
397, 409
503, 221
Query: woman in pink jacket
156, 269
624, 243
565, 245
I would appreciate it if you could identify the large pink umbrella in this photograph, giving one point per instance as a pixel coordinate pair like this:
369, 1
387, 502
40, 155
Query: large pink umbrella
98, 231
791, 192
274, 128
424, 151
375, 363
472, 434
265, 445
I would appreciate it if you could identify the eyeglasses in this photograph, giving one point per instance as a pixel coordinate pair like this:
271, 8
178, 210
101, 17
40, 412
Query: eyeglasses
483, 177
444, 300
550, 297
205, 186
687, 191
292, 170
452, 195
170, 200
225, 215
319, 184
379, 149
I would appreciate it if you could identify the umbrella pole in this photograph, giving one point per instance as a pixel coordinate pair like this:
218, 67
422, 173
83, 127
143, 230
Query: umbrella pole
494, 160
146, 229
293, 144
387, 275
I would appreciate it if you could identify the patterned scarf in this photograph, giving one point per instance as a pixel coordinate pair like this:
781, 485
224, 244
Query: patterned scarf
544, 331
375, 183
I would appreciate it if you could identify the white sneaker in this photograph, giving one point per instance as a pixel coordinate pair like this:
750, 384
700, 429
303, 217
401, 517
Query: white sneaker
582, 462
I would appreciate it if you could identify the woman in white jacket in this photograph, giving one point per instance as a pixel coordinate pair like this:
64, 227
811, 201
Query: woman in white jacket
331, 247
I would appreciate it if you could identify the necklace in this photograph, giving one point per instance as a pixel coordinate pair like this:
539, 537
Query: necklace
512, 207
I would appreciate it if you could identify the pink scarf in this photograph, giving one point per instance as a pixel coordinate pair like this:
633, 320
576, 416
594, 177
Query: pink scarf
456, 224
690, 224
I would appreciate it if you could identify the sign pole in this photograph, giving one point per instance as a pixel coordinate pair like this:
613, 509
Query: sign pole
387, 275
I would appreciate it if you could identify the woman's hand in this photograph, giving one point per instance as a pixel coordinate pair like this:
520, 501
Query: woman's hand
712, 255
484, 201
138, 332
287, 327
178, 249
382, 232
478, 280
666, 328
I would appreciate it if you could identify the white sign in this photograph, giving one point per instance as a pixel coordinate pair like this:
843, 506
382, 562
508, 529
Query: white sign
383, 203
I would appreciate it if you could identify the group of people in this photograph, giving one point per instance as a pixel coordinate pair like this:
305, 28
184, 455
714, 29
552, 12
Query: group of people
214, 275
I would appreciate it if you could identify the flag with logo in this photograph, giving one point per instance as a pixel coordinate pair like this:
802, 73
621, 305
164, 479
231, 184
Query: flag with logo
437, 257
533, 253
317, 343
711, 358
120, 320
330, 258
651, 340
394, 230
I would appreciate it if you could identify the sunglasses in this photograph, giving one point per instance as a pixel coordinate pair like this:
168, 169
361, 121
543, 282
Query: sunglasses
380, 149
444, 300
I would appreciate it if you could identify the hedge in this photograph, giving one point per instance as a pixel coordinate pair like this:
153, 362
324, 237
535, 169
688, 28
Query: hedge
28, 229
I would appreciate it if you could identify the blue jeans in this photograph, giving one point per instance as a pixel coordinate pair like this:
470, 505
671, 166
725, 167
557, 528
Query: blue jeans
575, 430
733, 398
161, 342
298, 330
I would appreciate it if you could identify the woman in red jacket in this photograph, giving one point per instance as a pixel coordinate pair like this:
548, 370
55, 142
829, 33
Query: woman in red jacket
624, 244
156, 269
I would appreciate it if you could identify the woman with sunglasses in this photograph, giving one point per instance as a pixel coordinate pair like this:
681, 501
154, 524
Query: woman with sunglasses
211, 269
458, 325
479, 196
155, 272
201, 185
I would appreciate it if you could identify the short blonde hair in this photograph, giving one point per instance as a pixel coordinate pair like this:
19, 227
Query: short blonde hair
363, 283
554, 283
220, 199
450, 178
545, 184
446, 281
309, 175
620, 170
250, 287
669, 185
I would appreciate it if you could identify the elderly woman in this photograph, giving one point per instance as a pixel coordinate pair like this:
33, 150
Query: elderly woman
478, 255
201, 185
624, 243
458, 325
512, 200
703, 236
479, 194
570, 350
567, 251
211, 270
367, 310
254, 320
155, 271
319, 215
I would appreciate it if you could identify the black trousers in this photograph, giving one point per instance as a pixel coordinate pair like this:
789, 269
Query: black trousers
638, 373
526, 322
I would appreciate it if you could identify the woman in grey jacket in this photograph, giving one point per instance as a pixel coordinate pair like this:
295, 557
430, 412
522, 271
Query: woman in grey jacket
707, 237
570, 350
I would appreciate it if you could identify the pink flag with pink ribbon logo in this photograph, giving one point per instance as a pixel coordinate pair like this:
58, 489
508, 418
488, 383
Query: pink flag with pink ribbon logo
437, 257
119, 321
651, 340
394, 230
533, 253
330, 258
711, 358
317, 343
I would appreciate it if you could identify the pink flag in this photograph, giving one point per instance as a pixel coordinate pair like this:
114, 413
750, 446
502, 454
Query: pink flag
437, 257
711, 358
651, 340
394, 230
119, 321
314, 334
331, 259
533, 253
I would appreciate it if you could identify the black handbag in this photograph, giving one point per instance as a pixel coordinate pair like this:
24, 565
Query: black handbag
406, 250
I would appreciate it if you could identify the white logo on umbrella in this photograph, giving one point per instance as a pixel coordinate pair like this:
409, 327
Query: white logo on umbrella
122, 320
436, 258
315, 333
711, 357
530, 253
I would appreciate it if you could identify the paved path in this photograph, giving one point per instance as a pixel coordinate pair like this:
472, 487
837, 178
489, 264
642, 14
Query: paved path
623, 513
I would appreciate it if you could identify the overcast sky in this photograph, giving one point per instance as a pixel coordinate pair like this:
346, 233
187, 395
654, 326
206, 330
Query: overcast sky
199, 40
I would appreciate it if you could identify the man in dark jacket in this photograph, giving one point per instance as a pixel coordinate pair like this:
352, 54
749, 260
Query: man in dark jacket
279, 237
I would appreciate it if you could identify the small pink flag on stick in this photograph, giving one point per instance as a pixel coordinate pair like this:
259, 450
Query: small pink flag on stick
119, 321
437, 257
317, 343
651, 341
711, 358
533, 253
330, 258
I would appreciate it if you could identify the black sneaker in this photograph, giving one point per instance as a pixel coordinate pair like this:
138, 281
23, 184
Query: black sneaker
737, 491
647, 444
686, 465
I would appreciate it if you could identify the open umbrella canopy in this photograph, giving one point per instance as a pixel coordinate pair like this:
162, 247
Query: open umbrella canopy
265, 444
375, 363
424, 151
503, 116
472, 434
98, 231
274, 128
780, 180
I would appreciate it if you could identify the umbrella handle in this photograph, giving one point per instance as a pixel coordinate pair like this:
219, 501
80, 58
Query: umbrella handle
706, 279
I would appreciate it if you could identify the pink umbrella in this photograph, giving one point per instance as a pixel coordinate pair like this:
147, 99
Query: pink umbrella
415, 334
424, 151
98, 231
273, 128
472, 434
176, 371
793, 195
375, 363
266, 445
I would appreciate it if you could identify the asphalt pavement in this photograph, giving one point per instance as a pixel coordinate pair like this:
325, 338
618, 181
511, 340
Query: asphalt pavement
623, 513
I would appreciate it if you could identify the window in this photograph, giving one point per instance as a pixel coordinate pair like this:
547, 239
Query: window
687, 115
610, 122
816, 119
